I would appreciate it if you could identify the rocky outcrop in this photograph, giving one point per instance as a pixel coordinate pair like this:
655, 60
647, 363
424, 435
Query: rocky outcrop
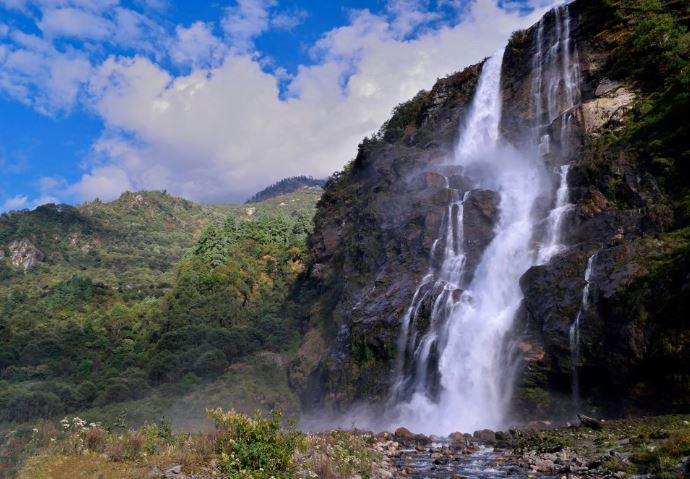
23, 254
613, 103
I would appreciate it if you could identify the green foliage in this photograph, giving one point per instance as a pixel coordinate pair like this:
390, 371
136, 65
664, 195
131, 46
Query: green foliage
404, 116
255, 448
656, 56
129, 300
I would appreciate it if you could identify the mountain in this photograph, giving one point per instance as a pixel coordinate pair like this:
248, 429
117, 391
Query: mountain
597, 91
106, 303
287, 185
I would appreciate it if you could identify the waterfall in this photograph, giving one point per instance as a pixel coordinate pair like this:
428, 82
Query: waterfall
554, 227
556, 92
575, 333
450, 373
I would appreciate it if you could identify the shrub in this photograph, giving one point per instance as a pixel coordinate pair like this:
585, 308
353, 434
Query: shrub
255, 448
129, 446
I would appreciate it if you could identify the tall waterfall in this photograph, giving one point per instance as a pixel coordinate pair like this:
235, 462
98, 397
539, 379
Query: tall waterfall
452, 373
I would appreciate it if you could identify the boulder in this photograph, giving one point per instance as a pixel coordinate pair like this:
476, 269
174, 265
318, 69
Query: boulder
486, 436
590, 422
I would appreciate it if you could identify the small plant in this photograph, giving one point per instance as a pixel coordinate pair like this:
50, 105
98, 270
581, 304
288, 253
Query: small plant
255, 448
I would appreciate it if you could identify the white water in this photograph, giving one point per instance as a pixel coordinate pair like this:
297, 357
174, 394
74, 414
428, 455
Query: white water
452, 376
554, 227
467, 335
557, 93
575, 333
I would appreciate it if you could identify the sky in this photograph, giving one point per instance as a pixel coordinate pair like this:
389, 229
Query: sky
214, 100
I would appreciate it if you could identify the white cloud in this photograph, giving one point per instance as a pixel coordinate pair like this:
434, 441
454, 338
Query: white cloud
288, 20
14, 203
223, 130
220, 134
408, 15
74, 23
246, 21
197, 46
33, 72
105, 182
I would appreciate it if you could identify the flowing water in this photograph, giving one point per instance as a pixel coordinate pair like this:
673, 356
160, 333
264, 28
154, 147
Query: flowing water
452, 372
484, 464
575, 333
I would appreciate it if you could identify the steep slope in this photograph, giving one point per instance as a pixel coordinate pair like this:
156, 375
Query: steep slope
625, 202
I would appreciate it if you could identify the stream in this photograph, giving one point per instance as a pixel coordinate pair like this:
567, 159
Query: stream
483, 464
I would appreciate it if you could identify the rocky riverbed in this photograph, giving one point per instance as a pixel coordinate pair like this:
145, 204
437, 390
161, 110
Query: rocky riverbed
657, 447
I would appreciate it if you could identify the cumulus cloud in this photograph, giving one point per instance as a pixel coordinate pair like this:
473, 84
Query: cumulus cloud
197, 46
105, 182
35, 73
222, 133
408, 15
246, 21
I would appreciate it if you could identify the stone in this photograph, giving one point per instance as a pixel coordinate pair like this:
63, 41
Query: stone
486, 436
434, 180
590, 422
23, 254
606, 86
174, 470
155, 473
607, 111
403, 434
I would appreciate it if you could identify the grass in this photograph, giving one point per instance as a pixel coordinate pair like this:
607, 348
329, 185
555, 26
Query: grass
239, 446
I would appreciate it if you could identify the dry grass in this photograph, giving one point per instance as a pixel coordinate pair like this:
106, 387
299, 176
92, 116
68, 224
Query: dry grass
127, 447
85, 466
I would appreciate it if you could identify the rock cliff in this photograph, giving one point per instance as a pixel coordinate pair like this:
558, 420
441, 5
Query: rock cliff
378, 219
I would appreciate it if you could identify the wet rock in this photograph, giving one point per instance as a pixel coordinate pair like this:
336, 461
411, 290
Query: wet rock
403, 435
434, 180
479, 220
590, 422
486, 436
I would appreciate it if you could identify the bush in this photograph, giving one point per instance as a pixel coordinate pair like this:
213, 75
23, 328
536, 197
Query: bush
257, 448
128, 447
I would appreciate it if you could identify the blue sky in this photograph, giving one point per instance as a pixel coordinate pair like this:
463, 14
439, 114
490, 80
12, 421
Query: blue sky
214, 100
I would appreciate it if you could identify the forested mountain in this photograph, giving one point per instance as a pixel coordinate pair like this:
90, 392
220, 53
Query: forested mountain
104, 302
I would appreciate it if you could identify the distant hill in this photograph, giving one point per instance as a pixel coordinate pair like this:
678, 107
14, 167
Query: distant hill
287, 185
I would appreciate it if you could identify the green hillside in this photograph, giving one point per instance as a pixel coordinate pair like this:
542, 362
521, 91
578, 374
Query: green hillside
105, 302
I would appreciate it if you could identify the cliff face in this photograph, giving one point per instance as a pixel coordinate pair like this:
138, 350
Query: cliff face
378, 219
